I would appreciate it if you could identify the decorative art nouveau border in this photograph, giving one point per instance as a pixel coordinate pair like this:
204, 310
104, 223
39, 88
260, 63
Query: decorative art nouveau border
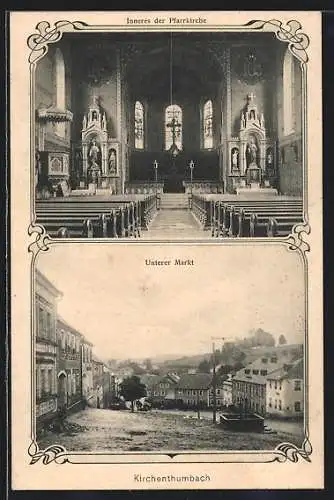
290, 33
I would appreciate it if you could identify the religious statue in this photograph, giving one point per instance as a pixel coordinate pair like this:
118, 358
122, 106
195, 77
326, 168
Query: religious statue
251, 151
235, 159
112, 161
94, 154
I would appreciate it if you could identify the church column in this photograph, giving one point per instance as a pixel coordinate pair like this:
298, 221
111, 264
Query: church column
228, 121
119, 121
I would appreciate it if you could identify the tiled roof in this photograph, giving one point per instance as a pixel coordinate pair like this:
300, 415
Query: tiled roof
259, 364
195, 381
149, 379
290, 371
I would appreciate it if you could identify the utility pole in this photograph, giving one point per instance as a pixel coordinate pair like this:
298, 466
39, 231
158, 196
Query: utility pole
214, 384
198, 410
214, 378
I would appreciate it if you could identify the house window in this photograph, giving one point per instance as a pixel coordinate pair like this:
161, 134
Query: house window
38, 383
50, 380
298, 385
207, 125
273, 360
279, 404
255, 372
247, 372
280, 385
43, 381
173, 126
297, 406
264, 360
263, 372
41, 322
270, 384
275, 384
139, 125
218, 391
275, 403
270, 402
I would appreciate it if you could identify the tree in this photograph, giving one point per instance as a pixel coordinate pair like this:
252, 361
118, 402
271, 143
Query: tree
131, 389
136, 369
148, 365
204, 366
281, 340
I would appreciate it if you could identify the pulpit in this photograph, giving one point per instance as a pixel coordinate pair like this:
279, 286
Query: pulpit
252, 153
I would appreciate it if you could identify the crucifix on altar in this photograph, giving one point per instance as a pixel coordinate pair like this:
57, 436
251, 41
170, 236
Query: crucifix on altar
175, 126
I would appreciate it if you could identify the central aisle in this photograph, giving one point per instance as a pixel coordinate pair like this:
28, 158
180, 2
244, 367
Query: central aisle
174, 220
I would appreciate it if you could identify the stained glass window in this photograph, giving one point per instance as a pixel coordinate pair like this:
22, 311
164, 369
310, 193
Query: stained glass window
139, 125
173, 126
207, 125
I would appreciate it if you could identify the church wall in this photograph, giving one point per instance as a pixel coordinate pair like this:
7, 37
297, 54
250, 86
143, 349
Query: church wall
45, 96
289, 150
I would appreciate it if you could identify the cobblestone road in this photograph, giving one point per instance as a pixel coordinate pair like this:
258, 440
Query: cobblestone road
108, 430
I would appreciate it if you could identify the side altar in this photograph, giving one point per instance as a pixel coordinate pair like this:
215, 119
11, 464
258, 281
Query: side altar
99, 156
252, 159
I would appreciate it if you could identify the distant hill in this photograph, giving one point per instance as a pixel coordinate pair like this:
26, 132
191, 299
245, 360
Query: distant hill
252, 353
189, 361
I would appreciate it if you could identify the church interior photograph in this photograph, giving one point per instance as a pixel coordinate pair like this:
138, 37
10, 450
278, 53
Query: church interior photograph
164, 135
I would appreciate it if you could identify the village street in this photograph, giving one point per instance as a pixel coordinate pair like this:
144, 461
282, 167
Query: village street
117, 431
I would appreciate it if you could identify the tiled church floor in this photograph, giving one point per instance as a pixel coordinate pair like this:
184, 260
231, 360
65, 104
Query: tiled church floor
174, 224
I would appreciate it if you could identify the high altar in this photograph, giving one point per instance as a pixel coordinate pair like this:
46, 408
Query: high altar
252, 154
100, 153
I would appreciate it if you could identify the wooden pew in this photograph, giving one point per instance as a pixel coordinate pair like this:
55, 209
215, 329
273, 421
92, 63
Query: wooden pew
284, 224
202, 209
234, 219
240, 224
280, 226
109, 218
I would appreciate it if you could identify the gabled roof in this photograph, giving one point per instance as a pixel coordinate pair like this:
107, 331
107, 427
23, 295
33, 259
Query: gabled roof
149, 379
290, 371
262, 363
194, 381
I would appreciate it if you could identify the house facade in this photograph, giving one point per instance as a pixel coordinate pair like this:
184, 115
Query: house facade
46, 297
219, 393
164, 387
69, 366
249, 384
192, 390
285, 391
87, 371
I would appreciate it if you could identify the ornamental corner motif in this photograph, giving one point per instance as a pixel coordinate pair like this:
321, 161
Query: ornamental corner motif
54, 453
42, 239
296, 239
289, 32
39, 42
293, 453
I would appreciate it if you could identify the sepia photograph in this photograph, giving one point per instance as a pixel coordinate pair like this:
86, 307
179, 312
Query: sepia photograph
166, 323
164, 135
169, 354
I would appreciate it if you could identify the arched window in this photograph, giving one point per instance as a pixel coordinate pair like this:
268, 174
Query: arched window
139, 125
288, 93
60, 89
207, 125
173, 126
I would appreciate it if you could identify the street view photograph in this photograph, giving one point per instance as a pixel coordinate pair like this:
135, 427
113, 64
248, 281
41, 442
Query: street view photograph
135, 352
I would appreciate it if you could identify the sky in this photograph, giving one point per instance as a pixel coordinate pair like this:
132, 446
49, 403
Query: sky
130, 310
